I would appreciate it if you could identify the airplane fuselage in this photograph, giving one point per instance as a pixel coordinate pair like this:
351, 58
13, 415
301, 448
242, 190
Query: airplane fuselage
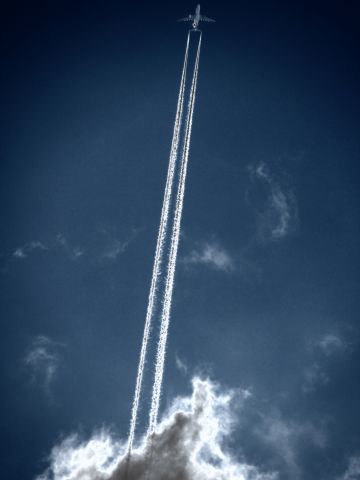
196, 17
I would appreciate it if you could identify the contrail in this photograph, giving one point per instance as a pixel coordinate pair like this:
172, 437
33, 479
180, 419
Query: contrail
169, 284
164, 220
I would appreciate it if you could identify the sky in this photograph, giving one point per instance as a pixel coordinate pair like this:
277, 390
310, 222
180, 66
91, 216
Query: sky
266, 296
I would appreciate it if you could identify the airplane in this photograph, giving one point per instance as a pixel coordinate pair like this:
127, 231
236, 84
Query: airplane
196, 19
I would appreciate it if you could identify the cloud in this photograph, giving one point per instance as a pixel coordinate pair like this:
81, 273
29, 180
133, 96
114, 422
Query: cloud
322, 349
181, 365
314, 376
25, 250
19, 253
113, 247
211, 255
42, 360
73, 251
101, 246
330, 344
353, 470
285, 437
60, 241
189, 444
98, 248
275, 206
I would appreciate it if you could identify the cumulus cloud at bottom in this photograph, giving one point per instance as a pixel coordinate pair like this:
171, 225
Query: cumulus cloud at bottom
189, 444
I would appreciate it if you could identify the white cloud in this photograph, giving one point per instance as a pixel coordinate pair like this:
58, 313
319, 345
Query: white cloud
211, 255
25, 250
277, 211
188, 445
285, 437
19, 253
330, 344
73, 251
115, 249
42, 360
353, 470
314, 376
181, 365
321, 349
60, 240
99, 247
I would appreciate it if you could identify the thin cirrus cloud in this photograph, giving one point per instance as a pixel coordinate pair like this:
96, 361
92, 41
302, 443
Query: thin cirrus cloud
72, 250
60, 242
331, 344
113, 247
99, 247
322, 349
285, 439
181, 365
275, 205
315, 376
353, 469
25, 250
42, 361
210, 255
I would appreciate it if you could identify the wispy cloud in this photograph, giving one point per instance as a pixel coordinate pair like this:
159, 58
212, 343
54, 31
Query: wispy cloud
330, 344
276, 205
101, 247
211, 255
353, 470
181, 365
73, 251
285, 438
42, 361
322, 349
25, 250
314, 376
114, 247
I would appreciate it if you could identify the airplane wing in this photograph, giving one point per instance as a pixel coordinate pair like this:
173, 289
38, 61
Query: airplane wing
186, 19
206, 19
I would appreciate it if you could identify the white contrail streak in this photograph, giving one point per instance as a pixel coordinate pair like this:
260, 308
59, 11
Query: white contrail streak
164, 220
169, 285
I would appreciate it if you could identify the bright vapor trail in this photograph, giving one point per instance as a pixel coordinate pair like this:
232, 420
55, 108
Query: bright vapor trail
169, 284
159, 253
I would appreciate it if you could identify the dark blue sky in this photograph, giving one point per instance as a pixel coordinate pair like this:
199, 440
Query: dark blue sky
267, 286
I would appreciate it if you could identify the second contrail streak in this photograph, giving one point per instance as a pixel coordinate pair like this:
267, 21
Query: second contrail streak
169, 283
164, 220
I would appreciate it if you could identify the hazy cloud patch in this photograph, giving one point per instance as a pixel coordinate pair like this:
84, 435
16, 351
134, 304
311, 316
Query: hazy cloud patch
73, 251
211, 255
353, 470
100, 247
314, 376
275, 204
330, 344
323, 350
189, 444
42, 361
25, 250
285, 438
113, 247
181, 365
